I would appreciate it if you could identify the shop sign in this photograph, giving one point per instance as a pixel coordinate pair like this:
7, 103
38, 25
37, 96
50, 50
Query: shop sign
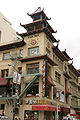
43, 78
37, 102
30, 102
45, 107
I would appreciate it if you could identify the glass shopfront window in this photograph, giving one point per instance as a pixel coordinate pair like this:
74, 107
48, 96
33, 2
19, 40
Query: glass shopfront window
30, 115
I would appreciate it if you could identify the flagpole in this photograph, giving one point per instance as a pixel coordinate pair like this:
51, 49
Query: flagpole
57, 112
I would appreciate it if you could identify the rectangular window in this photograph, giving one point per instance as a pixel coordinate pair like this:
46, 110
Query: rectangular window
33, 68
57, 77
4, 73
20, 70
21, 53
34, 90
33, 51
47, 52
6, 56
2, 106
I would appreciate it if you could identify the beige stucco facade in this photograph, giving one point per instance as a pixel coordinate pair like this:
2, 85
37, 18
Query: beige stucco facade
43, 43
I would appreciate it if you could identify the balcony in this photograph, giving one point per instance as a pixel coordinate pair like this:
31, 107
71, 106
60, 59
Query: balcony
5, 90
76, 84
50, 80
23, 75
67, 91
74, 102
75, 94
66, 75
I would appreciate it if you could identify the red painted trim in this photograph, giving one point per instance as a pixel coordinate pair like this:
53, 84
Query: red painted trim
43, 78
74, 115
37, 58
3, 81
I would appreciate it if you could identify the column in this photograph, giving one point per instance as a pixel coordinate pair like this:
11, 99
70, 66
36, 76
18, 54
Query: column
41, 115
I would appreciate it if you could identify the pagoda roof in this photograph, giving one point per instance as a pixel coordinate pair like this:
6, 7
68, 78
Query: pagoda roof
45, 29
38, 58
38, 11
12, 45
38, 22
74, 70
66, 55
57, 51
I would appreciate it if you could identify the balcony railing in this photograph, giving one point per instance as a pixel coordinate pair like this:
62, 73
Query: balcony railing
75, 93
76, 84
23, 75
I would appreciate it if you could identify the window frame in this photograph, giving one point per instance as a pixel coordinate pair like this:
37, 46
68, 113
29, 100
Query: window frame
34, 49
57, 77
32, 66
6, 73
47, 52
21, 53
4, 57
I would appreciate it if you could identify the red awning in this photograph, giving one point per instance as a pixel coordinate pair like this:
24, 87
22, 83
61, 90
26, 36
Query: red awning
45, 108
3, 81
77, 111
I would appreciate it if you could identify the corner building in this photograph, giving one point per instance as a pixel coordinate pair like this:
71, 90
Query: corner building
36, 78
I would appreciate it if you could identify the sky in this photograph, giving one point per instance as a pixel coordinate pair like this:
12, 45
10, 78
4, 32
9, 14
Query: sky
65, 18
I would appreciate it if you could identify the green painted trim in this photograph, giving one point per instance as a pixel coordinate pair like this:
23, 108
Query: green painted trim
23, 75
7, 98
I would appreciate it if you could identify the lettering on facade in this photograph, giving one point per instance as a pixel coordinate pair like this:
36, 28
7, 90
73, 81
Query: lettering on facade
37, 102
36, 35
43, 78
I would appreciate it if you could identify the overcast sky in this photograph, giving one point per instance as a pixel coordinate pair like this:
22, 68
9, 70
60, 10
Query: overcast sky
65, 18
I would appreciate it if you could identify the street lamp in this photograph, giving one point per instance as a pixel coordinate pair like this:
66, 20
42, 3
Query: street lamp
15, 89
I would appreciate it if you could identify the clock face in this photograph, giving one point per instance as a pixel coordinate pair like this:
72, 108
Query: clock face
33, 42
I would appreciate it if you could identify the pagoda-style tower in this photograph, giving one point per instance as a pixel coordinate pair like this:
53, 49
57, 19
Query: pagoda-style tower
38, 25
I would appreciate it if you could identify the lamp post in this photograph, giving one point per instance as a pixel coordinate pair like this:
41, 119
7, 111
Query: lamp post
57, 112
15, 89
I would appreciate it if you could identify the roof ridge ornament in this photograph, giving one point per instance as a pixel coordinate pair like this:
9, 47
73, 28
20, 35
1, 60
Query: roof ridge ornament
37, 11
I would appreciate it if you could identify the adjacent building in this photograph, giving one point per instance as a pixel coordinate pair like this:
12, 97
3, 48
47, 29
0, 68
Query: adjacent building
7, 33
37, 82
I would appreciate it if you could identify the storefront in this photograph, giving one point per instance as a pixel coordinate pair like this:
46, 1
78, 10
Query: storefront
64, 111
49, 115
46, 112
